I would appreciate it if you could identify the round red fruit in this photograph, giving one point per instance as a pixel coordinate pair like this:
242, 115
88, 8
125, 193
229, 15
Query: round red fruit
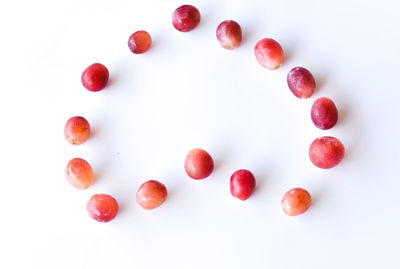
296, 201
229, 34
324, 113
242, 184
151, 194
79, 173
301, 82
76, 130
269, 53
139, 42
185, 18
199, 164
326, 152
102, 207
95, 77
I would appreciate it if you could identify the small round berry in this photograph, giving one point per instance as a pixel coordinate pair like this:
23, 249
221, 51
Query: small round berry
185, 18
76, 130
301, 82
79, 173
242, 184
199, 164
102, 207
269, 53
229, 34
95, 77
324, 113
139, 42
296, 201
326, 152
151, 194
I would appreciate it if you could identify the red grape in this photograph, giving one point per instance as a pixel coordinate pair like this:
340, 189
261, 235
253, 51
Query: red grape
95, 77
151, 194
242, 184
269, 53
139, 42
77, 130
324, 113
79, 173
185, 18
326, 152
102, 207
301, 82
296, 201
199, 164
229, 34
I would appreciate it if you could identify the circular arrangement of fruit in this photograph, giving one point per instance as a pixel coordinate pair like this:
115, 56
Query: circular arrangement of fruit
325, 152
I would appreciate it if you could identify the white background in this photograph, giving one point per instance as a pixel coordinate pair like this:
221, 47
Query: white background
189, 92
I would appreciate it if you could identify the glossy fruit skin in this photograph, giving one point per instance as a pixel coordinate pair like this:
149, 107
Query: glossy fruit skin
229, 34
95, 77
76, 130
151, 194
242, 184
139, 42
185, 18
301, 82
324, 113
79, 173
269, 53
296, 201
102, 207
199, 164
326, 152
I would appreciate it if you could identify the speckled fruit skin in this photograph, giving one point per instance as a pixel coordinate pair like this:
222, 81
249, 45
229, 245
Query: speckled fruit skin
79, 173
102, 207
76, 130
199, 164
151, 194
296, 201
229, 34
242, 184
269, 53
185, 18
326, 152
324, 113
95, 77
139, 42
301, 82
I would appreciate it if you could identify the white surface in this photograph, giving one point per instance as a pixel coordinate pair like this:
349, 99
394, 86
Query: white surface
188, 92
